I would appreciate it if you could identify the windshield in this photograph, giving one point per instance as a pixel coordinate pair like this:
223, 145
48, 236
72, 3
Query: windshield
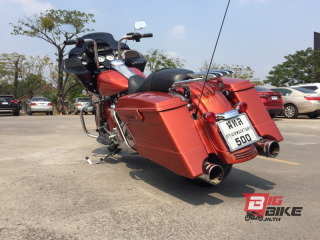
84, 99
40, 99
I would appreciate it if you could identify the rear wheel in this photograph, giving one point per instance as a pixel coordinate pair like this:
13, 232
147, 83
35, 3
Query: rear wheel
16, 113
51, 113
291, 111
272, 115
47, 113
312, 115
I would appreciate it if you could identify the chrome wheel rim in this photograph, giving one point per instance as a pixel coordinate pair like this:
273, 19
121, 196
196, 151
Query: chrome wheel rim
290, 111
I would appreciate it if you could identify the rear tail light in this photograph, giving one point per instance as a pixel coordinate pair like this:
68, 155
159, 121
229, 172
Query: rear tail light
50, 104
14, 101
79, 104
309, 98
241, 107
33, 104
210, 117
263, 95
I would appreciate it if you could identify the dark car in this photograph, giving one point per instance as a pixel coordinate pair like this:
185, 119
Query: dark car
9, 104
273, 101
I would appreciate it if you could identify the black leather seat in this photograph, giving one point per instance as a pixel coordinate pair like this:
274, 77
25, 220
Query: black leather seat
159, 81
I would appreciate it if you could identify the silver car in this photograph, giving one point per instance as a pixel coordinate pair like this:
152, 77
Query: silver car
40, 105
76, 104
299, 101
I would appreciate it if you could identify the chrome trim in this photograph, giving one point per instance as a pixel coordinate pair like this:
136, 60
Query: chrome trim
83, 123
119, 45
119, 66
123, 136
227, 115
268, 148
95, 49
212, 173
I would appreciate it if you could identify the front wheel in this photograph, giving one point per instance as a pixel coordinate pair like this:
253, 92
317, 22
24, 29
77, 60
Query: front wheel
247, 217
291, 111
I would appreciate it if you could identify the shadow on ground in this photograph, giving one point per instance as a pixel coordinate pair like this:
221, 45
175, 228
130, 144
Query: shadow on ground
189, 191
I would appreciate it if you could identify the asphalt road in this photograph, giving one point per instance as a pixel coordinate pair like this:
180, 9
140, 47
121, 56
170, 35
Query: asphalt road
49, 191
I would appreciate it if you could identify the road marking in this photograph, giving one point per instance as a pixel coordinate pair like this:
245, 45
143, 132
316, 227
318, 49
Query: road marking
291, 133
280, 161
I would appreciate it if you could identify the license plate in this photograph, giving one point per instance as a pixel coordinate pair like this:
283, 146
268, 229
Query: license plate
238, 132
5, 103
274, 98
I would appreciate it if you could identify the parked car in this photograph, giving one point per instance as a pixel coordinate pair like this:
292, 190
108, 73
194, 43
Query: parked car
311, 86
300, 101
40, 105
273, 101
77, 103
9, 104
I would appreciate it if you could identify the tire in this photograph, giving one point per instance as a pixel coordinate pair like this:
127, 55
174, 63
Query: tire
247, 218
51, 113
75, 113
30, 113
313, 115
47, 113
85, 113
16, 113
272, 115
291, 111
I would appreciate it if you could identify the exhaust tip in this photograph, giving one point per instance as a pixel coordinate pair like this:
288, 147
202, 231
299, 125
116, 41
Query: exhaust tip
268, 148
212, 173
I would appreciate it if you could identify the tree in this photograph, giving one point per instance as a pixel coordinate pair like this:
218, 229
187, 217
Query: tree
301, 67
46, 26
238, 71
10, 72
158, 59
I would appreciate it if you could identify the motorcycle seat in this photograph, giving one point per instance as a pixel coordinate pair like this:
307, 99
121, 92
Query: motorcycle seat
159, 81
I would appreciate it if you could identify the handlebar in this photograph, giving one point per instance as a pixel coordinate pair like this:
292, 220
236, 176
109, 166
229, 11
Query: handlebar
70, 42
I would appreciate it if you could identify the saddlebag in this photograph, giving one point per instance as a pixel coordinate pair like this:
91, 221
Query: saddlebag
163, 131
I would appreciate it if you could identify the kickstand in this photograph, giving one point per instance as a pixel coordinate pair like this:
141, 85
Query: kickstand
103, 159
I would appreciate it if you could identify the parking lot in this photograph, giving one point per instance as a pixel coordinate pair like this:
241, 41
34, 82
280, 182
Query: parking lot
49, 191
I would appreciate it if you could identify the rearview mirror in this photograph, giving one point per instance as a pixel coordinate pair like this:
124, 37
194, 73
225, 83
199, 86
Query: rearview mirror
140, 25
68, 28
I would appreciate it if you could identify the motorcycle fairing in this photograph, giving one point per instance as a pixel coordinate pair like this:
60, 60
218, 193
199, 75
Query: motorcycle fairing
75, 67
163, 131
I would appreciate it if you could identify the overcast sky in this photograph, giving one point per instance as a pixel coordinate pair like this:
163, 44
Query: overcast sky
256, 33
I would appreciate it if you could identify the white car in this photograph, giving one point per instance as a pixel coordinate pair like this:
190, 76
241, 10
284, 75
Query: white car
311, 86
40, 105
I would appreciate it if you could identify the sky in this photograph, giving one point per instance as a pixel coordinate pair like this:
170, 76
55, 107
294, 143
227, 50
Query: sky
256, 33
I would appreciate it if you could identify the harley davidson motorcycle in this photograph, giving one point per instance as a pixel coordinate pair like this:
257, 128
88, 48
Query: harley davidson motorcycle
196, 124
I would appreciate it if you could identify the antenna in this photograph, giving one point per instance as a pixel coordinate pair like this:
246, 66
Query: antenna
194, 115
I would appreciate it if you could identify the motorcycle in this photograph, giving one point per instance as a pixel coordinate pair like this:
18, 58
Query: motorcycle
253, 216
196, 124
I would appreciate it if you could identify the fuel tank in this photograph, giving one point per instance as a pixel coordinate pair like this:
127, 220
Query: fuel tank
163, 131
111, 82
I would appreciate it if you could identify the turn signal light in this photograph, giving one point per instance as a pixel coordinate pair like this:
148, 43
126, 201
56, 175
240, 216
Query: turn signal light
210, 117
241, 107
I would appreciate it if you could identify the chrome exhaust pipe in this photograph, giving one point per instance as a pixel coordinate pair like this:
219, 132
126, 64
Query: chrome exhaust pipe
268, 148
212, 173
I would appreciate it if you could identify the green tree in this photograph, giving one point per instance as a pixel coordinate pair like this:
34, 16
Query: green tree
158, 59
46, 26
238, 71
301, 67
10, 72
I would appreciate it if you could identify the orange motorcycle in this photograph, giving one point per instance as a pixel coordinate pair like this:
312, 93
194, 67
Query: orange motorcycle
197, 124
